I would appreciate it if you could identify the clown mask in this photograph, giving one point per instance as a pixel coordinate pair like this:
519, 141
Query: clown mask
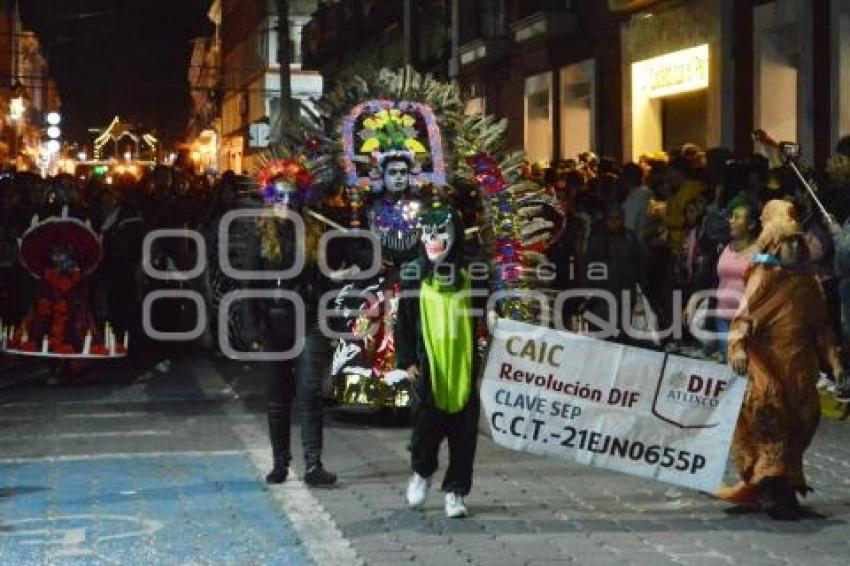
438, 233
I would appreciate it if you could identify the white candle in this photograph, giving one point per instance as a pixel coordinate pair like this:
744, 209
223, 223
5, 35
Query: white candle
126, 340
87, 343
25, 337
111, 345
44, 344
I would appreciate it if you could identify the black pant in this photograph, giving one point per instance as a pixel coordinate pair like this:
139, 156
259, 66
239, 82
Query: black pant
303, 378
430, 427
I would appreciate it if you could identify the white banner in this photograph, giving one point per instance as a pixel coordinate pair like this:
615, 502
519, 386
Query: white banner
627, 409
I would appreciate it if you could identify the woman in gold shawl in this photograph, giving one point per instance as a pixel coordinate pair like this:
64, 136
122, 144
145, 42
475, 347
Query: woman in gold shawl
779, 337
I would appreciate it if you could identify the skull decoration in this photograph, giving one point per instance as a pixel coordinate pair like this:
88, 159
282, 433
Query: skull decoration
439, 233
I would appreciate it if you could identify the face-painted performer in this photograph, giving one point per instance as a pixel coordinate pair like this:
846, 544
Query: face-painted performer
396, 175
387, 140
436, 335
286, 184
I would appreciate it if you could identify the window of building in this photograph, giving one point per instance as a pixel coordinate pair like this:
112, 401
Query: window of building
481, 19
475, 105
263, 44
538, 117
578, 113
776, 65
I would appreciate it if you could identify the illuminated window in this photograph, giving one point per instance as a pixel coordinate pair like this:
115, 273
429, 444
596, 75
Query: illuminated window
578, 116
538, 117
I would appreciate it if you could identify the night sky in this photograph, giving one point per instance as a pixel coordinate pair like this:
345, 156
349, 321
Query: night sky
125, 57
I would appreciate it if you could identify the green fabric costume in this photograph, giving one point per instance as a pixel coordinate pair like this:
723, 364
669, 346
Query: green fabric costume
447, 333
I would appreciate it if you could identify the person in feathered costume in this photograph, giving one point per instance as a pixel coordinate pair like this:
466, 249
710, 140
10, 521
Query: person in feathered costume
398, 135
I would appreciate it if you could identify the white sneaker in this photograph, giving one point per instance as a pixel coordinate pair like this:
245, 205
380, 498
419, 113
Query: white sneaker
455, 507
417, 490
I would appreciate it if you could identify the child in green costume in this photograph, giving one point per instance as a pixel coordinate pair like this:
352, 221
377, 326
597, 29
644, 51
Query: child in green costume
435, 344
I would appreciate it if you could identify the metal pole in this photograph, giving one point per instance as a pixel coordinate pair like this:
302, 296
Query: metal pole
826, 215
408, 32
454, 58
284, 56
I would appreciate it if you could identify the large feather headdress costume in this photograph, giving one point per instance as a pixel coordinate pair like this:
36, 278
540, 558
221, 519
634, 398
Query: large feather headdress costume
362, 122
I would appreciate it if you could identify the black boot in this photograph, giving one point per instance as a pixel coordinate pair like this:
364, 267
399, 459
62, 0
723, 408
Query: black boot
317, 476
278, 416
779, 500
278, 474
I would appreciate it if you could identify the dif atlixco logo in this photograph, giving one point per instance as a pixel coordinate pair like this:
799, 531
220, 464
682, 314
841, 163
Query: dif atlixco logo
688, 399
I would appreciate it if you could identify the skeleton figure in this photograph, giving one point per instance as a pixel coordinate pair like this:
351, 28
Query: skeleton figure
436, 348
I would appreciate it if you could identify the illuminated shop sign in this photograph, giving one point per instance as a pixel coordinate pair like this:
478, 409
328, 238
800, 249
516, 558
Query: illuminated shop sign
681, 71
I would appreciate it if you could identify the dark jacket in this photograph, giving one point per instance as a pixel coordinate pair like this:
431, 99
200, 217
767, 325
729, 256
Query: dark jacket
309, 284
409, 342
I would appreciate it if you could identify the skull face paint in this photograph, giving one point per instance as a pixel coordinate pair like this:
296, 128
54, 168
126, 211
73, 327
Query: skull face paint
438, 234
285, 196
396, 175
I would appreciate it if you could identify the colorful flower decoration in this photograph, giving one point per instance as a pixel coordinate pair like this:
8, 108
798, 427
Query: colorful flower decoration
487, 173
294, 171
392, 129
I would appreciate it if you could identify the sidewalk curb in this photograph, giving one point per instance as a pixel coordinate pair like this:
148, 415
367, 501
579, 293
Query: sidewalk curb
315, 527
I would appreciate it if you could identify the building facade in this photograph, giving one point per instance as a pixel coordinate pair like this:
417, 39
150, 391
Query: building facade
351, 36
28, 93
619, 77
250, 78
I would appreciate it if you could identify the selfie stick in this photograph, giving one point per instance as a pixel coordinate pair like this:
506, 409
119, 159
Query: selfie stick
325, 219
790, 162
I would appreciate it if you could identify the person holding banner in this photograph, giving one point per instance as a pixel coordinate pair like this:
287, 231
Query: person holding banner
435, 345
778, 337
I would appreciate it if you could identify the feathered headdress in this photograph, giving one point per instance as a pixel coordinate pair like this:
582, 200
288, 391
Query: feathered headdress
282, 176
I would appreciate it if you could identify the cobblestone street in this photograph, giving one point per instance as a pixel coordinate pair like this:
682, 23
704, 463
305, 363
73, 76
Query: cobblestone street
168, 470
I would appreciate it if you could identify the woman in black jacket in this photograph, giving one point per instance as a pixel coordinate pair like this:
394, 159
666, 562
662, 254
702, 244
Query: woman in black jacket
283, 329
